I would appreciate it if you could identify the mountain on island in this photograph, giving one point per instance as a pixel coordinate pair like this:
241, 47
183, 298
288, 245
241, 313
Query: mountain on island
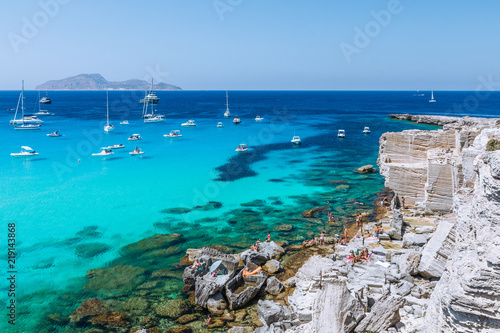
97, 82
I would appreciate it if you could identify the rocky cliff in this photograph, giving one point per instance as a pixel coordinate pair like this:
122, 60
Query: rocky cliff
450, 169
97, 82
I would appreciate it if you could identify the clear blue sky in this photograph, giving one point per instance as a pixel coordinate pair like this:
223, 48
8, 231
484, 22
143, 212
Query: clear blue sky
259, 44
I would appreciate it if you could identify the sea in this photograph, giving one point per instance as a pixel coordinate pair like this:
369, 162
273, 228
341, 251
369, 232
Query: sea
65, 212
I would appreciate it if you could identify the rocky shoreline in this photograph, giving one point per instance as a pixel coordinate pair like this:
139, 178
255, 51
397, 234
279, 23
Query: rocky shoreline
436, 267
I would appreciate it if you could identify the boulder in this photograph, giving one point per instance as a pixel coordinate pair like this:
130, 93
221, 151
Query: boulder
412, 240
242, 289
90, 308
270, 312
384, 314
435, 254
216, 305
315, 212
272, 266
173, 308
274, 286
366, 169
396, 224
409, 262
111, 321
240, 329
267, 251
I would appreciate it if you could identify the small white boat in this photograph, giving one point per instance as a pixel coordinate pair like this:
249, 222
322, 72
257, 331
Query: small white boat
432, 100
108, 127
173, 134
41, 112
27, 120
27, 127
134, 137
296, 140
54, 134
116, 146
45, 99
242, 147
136, 151
219, 124
154, 118
366, 130
341, 133
125, 122
258, 118
236, 120
25, 152
189, 123
104, 152
227, 114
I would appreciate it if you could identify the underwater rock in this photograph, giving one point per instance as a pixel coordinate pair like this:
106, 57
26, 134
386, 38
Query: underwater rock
283, 227
172, 250
211, 205
207, 219
166, 273
111, 320
344, 188
91, 250
154, 242
148, 322
274, 180
115, 278
315, 211
187, 318
180, 329
90, 308
338, 181
173, 308
89, 232
277, 203
177, 210
136, 305
254, 203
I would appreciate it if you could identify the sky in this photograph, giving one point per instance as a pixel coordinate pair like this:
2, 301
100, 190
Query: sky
254, 44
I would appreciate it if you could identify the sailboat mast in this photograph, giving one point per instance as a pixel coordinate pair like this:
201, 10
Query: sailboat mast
22, 100
227, 102
107, 108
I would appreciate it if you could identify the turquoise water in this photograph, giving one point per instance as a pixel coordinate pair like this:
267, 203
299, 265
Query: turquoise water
65, 198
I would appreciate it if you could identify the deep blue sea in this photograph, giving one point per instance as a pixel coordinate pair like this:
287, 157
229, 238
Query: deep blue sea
74, 212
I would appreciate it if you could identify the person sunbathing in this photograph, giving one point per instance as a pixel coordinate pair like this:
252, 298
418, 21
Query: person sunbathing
196, 265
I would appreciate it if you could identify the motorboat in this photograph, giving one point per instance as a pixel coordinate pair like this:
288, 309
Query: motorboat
242, 147
432, 100
134, 137
108, 127
341, 133
27, 127
227, 114
45, 100
296, 140
25, 152
54, 134
104, 152
154, 118
366, 130
150, 97
236, 120
258, 118
220, 124
189, 123
173, 134
125, 122
31, 119
136, 151
116, 146
41, 112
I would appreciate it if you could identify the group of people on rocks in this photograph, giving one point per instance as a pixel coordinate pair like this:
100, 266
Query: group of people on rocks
359, 255
255, 246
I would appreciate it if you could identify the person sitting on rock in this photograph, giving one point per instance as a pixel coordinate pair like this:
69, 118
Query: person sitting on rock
196, 265
208, 321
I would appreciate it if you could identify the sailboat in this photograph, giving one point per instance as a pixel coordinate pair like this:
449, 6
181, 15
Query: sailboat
150, 97
108, 128
41, 112
151, 117
25, 123
432, 100
227, 114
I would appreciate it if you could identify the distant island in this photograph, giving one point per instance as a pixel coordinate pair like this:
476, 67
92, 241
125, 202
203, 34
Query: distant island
97, 82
